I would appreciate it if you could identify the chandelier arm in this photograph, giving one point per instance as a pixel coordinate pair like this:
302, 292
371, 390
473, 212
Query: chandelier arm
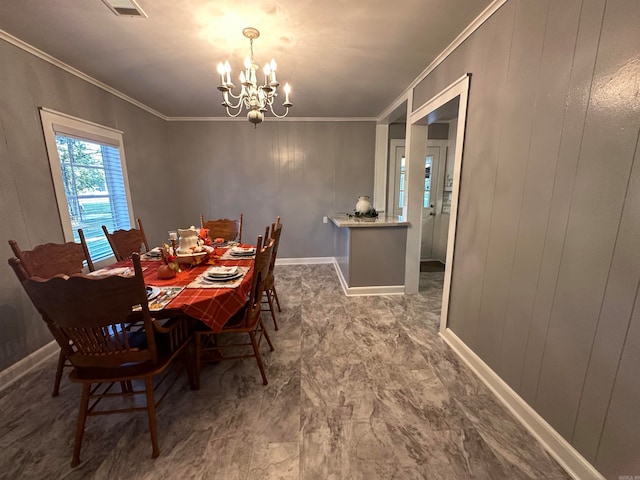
231, 114
275, 114
234, 96
240, 103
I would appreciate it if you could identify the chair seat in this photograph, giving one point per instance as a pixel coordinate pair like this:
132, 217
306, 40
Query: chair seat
124, 372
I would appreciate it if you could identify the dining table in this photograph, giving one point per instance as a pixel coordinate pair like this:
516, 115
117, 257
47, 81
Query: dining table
213, 305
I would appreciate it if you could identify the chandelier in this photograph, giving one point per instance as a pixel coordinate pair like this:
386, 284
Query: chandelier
257, 98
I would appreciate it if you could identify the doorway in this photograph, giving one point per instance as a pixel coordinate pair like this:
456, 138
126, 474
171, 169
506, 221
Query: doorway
432, 202
450, 106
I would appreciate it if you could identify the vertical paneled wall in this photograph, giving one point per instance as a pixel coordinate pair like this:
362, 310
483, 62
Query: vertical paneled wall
546, 269
298, 170
28, 209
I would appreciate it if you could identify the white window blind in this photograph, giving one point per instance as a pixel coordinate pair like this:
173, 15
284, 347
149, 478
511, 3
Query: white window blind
89, 175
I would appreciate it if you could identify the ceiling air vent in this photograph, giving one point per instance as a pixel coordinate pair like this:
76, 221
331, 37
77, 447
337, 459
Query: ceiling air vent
127, 8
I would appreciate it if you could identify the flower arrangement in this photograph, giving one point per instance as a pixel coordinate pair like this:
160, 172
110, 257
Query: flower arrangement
203, 237
372, 213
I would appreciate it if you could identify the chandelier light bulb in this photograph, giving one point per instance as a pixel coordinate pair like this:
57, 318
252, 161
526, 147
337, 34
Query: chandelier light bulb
287, 89
227, 70
221, 72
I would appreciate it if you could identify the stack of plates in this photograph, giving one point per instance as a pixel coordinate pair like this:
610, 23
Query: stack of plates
221, 274
243, 252
154, 253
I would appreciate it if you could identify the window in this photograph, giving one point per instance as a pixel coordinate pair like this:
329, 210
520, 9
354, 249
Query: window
401, 184
89, 176
427, 181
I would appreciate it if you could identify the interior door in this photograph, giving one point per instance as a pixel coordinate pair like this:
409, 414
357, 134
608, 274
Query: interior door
432, 198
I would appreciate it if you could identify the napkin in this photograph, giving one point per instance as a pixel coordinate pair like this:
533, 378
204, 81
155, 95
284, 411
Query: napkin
227, 271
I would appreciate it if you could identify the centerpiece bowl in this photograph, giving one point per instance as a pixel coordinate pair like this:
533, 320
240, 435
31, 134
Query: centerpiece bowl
193, 258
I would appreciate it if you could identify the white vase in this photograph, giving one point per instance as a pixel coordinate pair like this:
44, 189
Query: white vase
188, 240
363, 205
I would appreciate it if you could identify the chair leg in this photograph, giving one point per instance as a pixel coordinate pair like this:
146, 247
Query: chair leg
82, 418
62, 358
126, 386
275, 295
266, 335
151, 413
198, 361
190, 367
256, 351
273, 313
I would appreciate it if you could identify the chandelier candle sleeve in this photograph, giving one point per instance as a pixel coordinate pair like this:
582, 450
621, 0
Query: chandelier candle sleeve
257, 99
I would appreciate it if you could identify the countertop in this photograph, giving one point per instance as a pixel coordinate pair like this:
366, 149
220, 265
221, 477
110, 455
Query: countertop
343, 220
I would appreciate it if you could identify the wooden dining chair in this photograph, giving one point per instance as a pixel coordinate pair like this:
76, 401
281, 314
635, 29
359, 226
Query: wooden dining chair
89, 317
126, 242
230, 230
247, 320
51, 259
270, 288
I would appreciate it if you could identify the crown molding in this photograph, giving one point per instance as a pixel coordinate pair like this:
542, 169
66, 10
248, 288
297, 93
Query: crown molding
472, 27
466, 33
73, 71
272, 119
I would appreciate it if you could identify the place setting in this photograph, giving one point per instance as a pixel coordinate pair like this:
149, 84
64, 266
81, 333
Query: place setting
237, 252
153, 254
220, 277
159, 297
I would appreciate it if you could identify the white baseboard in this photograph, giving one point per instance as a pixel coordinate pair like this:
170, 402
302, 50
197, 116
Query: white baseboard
564, 453
304, 261
19, 369
366, 291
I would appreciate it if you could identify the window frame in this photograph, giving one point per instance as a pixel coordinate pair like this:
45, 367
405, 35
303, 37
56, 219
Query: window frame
53, 123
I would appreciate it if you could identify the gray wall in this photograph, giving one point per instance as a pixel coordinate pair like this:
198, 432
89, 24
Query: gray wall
28, 209
300, 171
546, 269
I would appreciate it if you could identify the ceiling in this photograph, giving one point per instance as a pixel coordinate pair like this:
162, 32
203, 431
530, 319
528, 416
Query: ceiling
343, 58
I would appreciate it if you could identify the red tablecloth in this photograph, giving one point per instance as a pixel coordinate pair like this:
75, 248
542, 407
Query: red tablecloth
213, 306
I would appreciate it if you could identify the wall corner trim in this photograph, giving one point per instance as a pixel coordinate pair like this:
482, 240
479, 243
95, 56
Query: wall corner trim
304, 261
15, 372
561, 450
366, 291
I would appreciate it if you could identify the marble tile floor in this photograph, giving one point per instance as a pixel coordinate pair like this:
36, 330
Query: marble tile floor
359, 388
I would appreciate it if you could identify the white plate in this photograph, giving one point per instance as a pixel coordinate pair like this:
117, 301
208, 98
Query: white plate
206, 278
247, 253
152, 292
243, 250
